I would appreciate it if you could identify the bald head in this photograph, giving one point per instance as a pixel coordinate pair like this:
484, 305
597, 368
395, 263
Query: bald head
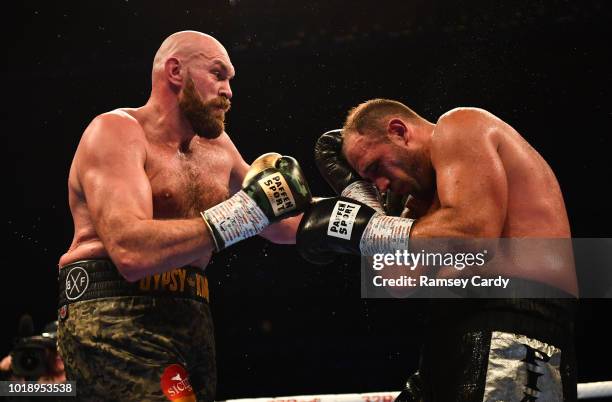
192, 70
187, 46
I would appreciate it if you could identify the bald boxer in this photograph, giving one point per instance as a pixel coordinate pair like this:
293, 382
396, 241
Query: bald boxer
154, 191
478, 178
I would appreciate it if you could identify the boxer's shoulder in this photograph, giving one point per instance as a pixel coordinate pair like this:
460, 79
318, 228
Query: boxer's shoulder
124, 120
466, 112
110, 134
117, 126
464, 131
465, 117
463, 125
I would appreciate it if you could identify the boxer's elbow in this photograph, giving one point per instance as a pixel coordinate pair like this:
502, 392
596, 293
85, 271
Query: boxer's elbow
477, 230
461, 232
128, 246
133, 263
475, 236
129, 273
128, 263
453, 229
464, 224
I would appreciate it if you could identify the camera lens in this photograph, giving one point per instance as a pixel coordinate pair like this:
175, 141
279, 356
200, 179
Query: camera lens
30, 360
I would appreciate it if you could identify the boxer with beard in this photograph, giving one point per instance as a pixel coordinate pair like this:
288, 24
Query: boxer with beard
153, 192
207, 119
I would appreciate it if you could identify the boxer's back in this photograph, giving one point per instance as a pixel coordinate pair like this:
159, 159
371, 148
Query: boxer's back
534, 209
535, 206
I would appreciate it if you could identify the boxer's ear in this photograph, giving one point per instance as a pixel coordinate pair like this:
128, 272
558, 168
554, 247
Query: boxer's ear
398, 131
173, 70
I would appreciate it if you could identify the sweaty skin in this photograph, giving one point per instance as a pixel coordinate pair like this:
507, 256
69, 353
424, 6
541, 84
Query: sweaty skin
481, 179
141, 176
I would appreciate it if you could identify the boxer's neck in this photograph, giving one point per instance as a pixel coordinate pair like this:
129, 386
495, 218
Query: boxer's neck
164, 122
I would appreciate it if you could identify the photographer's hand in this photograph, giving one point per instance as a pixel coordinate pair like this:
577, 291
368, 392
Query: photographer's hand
56, 371
6, 374
55, 374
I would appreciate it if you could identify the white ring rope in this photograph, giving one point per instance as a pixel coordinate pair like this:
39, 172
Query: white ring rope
585, 391
595, 389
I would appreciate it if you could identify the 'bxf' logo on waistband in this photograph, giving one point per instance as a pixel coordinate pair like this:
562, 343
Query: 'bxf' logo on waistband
77, 281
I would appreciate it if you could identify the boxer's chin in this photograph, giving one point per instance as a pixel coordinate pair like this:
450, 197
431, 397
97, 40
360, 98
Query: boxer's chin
206, 118
207, 121
210, 128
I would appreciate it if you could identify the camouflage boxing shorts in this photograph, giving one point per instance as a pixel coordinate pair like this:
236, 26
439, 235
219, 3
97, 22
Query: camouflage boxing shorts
150, 340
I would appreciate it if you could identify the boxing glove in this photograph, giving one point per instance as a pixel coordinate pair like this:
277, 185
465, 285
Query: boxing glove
274, 188
343, 225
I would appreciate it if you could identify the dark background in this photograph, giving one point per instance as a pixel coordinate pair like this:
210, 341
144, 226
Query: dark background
283, 326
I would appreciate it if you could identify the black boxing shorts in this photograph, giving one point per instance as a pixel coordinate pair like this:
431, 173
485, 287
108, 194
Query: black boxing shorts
497, 350
151, 340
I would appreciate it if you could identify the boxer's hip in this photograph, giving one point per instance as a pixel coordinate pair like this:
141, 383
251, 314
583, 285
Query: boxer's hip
118, 338
500, 349
99, 279
549, 317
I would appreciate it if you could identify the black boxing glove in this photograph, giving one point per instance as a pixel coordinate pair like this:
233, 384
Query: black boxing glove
342, 225
340, 175
394, 204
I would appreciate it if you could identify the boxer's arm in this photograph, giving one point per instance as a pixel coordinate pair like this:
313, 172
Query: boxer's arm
282, 232
471, 182
110, 169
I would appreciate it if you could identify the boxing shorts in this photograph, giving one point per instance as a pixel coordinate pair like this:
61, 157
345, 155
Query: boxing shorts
512, 349
150, 340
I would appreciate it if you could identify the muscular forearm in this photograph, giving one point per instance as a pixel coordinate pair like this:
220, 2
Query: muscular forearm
453, 231
451, 223
145, 247
282, 232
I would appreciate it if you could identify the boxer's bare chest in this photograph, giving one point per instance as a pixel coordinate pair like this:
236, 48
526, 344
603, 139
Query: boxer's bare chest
186, 182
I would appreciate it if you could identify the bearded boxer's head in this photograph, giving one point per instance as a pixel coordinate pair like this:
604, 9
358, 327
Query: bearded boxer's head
386, 143
194, 70
206, 118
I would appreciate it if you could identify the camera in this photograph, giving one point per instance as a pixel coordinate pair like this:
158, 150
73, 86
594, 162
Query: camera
32, 355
